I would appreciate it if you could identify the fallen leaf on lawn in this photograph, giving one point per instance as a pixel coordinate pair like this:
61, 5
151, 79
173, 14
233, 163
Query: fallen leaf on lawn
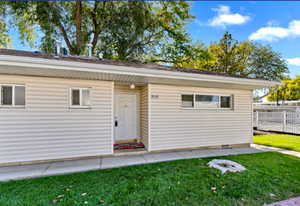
213, 188
101, 201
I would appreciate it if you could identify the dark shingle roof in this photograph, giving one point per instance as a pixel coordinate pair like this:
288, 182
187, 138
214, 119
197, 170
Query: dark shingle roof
108, 62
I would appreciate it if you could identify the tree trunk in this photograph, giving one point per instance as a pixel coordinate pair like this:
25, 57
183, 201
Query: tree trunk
78, 26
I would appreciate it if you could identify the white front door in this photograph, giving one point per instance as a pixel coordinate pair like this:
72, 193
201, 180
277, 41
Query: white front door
125, 116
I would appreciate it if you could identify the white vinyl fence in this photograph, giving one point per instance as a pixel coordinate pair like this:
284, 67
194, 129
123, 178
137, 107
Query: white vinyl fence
277, 121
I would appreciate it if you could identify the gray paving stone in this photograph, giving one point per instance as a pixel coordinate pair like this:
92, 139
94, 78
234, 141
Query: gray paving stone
73, 166
22, 171
205, 153
111, 162
162, 157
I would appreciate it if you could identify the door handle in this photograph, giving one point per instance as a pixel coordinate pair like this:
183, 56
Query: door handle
116, 123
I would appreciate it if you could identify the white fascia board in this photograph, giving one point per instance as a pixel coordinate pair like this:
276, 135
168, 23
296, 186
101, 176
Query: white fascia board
41, 63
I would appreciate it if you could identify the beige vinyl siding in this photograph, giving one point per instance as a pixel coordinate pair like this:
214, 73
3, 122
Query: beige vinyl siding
174, 127
47, 128
144, 116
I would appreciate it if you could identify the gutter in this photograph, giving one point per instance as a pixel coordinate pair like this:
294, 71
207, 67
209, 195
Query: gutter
40, 63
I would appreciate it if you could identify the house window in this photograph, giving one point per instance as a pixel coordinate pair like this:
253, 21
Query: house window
206, 101
12, 95
225, 101
80, 97
203, 101
187, 100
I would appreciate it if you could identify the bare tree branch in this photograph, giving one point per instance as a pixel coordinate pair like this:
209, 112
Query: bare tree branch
62, 30
78, 21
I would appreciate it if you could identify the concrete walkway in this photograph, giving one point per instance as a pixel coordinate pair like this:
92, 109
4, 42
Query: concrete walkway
290, 202
64, 167
275, 149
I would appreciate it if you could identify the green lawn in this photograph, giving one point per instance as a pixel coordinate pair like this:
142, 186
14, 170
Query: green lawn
270, 177
291, 142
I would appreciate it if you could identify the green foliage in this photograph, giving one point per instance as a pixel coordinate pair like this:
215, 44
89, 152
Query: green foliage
264, 63
244, 59
196, 56
147, 29
231, 56
121, 30
4, 37
289, 90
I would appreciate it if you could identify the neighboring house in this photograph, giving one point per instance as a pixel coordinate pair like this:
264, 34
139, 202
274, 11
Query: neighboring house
71, 107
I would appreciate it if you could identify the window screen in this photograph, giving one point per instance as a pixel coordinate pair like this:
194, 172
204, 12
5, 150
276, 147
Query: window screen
80, 97
85, 97
187, 100
225, 102
75, 97
19, 95
207, 101
6, 95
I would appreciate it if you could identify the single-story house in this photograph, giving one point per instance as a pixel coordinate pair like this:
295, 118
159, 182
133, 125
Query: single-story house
66, 107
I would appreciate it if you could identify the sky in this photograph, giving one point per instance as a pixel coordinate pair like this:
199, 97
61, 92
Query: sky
274, 23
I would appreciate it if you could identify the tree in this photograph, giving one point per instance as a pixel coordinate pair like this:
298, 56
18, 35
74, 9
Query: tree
4, 37
230, 55
264, 63
244, 59
196, 56
289, 90
122, 30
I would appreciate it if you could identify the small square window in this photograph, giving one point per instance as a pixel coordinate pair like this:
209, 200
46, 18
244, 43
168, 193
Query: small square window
86, 97
76, 97
12, 95
7, 95
225, 102
187, 100
19, 95
80, 97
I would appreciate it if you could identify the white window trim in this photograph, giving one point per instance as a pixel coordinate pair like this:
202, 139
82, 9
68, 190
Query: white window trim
13, 96
80, 98
207, 108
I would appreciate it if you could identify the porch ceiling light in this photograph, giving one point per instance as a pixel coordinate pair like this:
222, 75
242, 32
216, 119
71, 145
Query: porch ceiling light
132, 86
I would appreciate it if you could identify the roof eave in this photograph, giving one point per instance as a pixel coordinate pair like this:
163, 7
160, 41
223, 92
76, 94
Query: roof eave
40, 63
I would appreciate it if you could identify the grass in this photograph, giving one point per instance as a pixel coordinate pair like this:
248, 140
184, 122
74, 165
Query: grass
269, 177
291, 142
